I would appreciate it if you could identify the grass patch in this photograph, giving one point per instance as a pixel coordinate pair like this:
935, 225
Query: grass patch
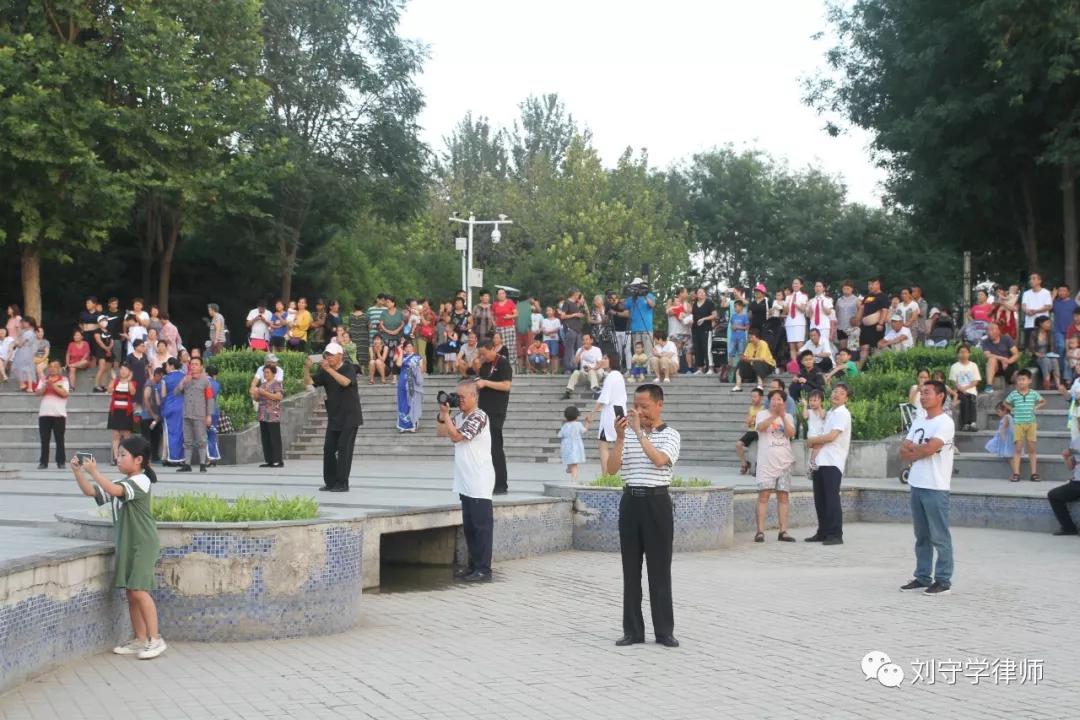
203, 507
616, 481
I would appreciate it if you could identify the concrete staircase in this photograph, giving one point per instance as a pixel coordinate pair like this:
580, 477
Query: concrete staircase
707, 414
86, 424
972, 460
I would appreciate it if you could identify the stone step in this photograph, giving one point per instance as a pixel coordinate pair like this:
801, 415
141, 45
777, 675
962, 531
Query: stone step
22, 402
75, 418
24, 452
980, 465
1051, 442
72, 433
718, 460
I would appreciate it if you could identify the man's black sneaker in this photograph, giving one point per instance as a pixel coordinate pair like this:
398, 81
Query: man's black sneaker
628, 640
202, 468
60, 466
814, 538
184, 468
667, 641
915, 585
477, 576
500, 491
833, 541
462, 573
339, 489
1066, 532
566, 395
938, 589
266, 465
43, 466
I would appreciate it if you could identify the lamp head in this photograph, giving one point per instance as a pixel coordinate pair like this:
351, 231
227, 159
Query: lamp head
496, 236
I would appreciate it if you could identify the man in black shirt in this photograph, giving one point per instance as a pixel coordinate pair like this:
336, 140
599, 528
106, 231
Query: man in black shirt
571, 312
871, 318
343, 415
139, 365
116, 329
494, 380
620, 324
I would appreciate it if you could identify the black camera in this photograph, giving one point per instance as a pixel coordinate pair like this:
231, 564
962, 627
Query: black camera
449, 399
634, 290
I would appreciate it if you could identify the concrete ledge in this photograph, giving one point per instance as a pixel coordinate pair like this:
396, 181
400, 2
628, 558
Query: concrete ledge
703, 516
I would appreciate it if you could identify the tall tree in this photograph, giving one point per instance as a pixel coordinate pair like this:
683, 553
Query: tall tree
545, 132
58, 193
342, 96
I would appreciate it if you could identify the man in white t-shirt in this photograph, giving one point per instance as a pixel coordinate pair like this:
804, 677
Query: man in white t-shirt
898, 337
929, 448
665, 360
612, 395
134, 330
588, 360
832, 455
474, 477
819, 345
1033, 303
258, 322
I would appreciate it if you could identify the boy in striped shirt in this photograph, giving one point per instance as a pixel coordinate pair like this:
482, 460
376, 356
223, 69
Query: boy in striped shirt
1024, 403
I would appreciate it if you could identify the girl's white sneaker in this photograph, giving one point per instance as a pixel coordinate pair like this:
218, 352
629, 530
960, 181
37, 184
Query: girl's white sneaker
134, 646
153, 648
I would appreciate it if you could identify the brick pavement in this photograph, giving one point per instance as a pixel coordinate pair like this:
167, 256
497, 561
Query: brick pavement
772, 630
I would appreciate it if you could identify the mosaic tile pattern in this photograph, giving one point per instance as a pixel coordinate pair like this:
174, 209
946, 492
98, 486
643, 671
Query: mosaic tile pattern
703, 519
324, 596
1001, 512
39, 631
525, 530
801, 512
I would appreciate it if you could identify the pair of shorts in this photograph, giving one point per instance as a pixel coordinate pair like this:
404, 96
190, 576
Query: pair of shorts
779, 484
1025, 432
259, 344
538, 360
748, 438
870, 335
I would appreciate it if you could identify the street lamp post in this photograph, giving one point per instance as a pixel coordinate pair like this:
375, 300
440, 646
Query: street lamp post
496, 236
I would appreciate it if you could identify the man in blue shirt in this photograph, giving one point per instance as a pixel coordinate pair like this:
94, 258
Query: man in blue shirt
1063, 316
641, 317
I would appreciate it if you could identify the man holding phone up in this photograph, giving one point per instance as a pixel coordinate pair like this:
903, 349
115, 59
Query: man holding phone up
646, 450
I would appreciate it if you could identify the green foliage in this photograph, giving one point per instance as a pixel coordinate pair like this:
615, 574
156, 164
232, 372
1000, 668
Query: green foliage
607, 480
204, 507
236, 368
915, 359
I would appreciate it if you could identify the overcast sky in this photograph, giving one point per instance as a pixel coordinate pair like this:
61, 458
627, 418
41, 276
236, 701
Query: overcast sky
675, 77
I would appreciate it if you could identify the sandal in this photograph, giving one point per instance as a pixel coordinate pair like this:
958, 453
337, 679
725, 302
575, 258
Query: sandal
745, 468
760, 537
784, 537
1015, 478
1035, 477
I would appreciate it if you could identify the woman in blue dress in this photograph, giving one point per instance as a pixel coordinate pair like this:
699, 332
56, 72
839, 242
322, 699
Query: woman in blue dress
172, 413
410, 389
213, 454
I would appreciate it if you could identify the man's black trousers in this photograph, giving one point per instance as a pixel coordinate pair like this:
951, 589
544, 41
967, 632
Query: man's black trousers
478, 523
337, 457
830, 517
498, 455
646, 529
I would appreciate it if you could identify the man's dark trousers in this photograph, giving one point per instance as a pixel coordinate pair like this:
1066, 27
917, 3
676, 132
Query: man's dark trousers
337, 457
478, 523
830, 516
646, 528
1059, 498
49, 426
498, 455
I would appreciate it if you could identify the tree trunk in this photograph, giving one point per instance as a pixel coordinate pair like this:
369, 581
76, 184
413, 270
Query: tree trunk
1027, 229
1068, 206
172, 237
31, 281
289, 251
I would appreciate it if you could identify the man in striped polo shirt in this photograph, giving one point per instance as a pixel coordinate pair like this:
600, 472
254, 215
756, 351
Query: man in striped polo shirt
645, 452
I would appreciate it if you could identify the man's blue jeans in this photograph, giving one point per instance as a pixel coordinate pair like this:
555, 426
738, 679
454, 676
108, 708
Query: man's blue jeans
930, 518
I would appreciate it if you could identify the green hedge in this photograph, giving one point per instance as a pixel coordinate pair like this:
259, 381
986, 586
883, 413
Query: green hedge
235, 370
203, 507
878, 392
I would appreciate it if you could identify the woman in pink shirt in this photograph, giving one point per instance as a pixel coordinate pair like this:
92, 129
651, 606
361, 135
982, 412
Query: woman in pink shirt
78, 356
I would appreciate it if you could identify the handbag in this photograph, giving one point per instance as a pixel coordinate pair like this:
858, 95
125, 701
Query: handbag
224, 425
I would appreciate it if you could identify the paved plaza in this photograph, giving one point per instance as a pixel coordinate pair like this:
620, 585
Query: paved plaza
773, 630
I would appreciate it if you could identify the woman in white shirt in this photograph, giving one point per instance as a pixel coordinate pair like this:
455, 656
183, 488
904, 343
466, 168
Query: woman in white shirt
612, 395
795, 317
550, 327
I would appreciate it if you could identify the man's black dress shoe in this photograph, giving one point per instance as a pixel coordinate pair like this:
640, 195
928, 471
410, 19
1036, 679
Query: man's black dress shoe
667, 641
627, 640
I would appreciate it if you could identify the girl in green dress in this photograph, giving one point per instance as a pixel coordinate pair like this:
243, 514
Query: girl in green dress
137, 542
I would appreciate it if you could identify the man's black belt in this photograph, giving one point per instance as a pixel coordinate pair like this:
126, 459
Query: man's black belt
644, 491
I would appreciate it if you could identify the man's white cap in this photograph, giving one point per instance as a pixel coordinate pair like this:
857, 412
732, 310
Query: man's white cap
897, 318
636, 281
333, 349
271, 357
